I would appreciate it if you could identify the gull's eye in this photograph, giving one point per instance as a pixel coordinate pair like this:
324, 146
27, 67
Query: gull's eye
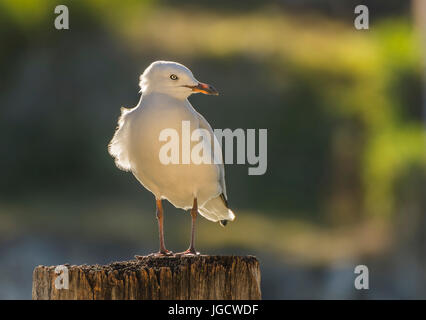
173, 77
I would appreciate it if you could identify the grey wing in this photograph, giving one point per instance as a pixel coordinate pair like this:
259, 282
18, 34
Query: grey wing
217, 154
216, 209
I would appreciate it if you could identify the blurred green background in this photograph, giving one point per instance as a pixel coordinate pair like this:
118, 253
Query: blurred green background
346, 178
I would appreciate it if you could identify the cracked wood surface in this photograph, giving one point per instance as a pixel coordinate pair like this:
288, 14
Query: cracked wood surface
148, 277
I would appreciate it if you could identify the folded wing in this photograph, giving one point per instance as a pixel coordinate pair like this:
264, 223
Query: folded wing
216, 209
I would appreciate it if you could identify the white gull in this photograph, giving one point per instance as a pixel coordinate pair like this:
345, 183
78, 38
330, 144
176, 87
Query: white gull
136, 146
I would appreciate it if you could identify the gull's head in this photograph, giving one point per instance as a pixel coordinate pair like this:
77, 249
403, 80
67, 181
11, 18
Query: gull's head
172, 78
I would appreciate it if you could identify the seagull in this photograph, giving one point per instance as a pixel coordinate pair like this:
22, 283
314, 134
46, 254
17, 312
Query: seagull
135, 147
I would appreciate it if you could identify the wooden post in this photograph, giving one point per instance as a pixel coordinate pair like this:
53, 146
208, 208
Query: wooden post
148, 277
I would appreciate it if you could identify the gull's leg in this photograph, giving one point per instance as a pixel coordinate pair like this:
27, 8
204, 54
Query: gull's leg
163, 250
194, 211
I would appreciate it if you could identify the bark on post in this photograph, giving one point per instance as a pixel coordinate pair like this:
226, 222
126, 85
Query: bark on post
187, 277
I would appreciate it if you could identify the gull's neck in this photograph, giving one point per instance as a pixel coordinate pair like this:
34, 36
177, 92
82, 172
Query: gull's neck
172, 93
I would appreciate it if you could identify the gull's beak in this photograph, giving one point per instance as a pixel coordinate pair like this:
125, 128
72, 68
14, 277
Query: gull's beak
204, 88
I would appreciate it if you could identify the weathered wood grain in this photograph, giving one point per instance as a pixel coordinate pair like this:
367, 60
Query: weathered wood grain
185, 277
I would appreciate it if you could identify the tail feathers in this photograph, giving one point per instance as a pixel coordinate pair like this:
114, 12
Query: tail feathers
216, 210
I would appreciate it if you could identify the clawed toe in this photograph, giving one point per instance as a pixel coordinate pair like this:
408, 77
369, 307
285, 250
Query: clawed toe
189, 252
166, 253
163, 253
